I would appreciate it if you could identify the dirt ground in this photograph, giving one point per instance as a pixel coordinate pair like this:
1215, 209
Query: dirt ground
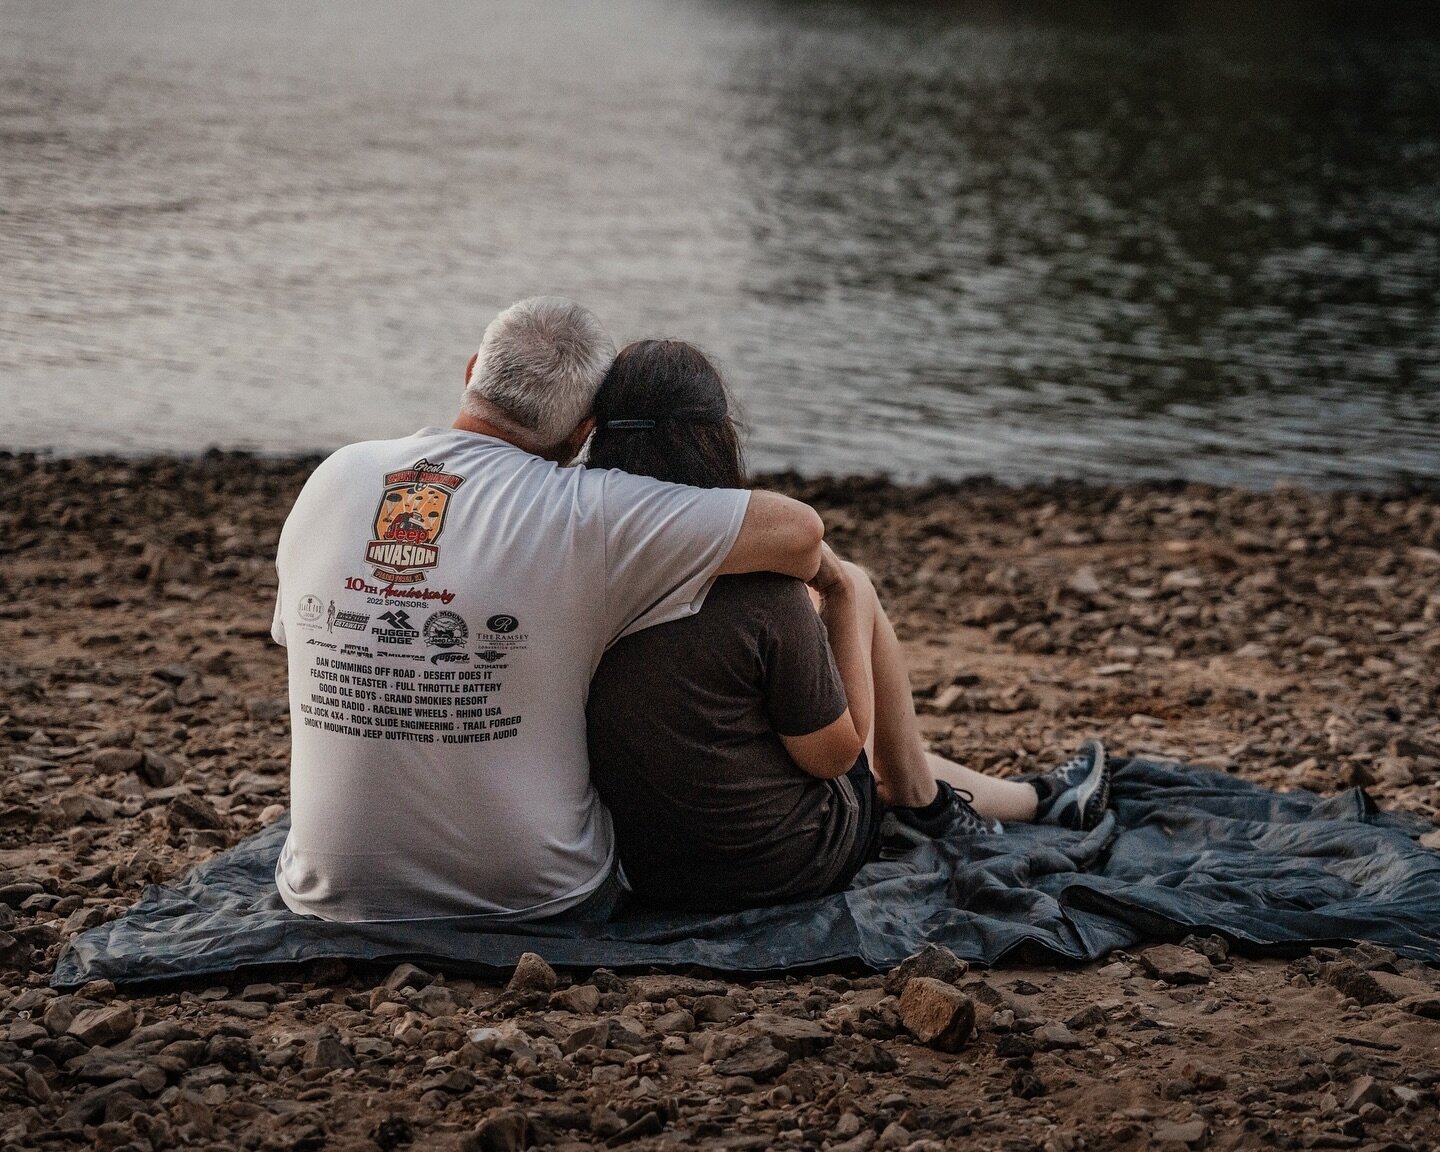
1290, 637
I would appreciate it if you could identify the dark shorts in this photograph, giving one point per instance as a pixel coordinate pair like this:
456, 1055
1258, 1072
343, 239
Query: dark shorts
867, 826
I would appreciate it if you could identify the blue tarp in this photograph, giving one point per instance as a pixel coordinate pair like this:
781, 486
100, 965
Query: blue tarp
1184, 850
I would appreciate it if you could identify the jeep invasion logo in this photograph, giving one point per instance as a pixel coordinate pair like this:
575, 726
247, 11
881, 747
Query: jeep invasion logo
409, 521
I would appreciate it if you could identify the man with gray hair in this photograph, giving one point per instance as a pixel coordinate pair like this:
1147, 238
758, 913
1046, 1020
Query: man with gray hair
438, 761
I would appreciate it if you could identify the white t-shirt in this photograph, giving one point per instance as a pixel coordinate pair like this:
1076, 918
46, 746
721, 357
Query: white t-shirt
445, 599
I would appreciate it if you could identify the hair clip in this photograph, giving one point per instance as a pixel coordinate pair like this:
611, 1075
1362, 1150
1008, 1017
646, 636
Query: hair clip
630, 424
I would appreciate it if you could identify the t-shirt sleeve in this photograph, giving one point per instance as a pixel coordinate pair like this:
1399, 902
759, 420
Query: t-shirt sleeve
803, 689
663, 543
277, 625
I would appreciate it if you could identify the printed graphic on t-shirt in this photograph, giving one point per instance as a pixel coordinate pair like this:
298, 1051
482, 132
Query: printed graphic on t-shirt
409, 521
359, 692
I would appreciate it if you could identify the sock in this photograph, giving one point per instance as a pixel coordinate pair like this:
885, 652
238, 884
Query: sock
1044, 790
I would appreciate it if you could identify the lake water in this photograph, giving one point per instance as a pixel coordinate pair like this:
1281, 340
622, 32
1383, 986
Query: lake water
1029, 240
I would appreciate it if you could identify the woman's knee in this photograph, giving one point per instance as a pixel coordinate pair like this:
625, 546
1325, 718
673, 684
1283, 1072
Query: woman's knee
858, 577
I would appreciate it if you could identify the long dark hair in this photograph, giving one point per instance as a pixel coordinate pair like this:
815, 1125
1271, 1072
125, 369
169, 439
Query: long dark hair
663, 411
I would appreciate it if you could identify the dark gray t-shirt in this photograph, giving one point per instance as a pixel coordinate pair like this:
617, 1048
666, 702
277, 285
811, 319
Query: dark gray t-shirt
710, 812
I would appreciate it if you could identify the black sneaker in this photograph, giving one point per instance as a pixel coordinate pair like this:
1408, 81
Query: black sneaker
1076, 794
951, 813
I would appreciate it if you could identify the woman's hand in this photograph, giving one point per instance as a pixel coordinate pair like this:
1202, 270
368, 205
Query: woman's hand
831, 580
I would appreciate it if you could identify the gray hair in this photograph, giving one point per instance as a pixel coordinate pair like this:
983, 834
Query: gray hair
540, 364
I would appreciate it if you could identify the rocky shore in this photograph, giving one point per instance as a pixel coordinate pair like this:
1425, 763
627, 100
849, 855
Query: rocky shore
1291, 637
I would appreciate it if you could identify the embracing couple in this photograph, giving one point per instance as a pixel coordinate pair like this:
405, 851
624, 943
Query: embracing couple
521, 689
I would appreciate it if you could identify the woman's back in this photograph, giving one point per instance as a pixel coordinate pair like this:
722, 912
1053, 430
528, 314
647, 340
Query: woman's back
684, 725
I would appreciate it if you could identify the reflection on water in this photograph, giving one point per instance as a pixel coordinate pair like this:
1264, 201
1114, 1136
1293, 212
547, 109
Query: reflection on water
1197, 240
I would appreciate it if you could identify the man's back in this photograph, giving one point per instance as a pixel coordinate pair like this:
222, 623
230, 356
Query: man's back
439, 763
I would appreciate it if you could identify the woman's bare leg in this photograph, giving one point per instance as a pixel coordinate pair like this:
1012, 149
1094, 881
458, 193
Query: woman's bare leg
905, 773
994, 798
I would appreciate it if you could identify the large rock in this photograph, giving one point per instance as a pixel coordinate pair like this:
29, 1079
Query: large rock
1176, 965
795, 1037
1353, 981
936, 1013
934, 961
102, 1025
532, 974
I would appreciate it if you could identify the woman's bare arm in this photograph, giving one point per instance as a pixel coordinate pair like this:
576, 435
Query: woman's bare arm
831, 751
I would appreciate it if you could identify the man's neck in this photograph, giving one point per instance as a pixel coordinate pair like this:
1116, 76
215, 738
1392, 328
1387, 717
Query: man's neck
562, 453
468, 423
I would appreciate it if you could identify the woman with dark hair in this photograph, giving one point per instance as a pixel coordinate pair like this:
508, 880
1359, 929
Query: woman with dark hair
749, 751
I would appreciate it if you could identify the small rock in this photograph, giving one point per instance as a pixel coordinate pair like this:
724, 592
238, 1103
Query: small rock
949, 699
265, 710
716, 1009
116, 761
59, 1014
757, 1059
1051, 1036
105, 1025
601, 1035
1091, 1016
408, 976
848, 1125
1027, 1086
649, 1124
233, 1052
1015, 1047
582, 999
1214, 948
507, 1130
326, 1051
391, 1133
1427, 1005
1191, 1132
186, 811
934, 961
160, 770
1083, 582
437, 1002
936, 1013
1363, 1090
1176, 965
861, 1143
674, 1023
532, 974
